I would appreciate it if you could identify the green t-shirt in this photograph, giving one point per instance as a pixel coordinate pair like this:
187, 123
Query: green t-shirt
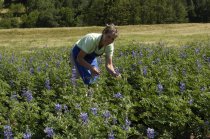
89, 43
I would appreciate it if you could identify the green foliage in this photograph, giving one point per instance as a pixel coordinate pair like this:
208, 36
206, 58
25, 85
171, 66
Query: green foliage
173, 111
30, 20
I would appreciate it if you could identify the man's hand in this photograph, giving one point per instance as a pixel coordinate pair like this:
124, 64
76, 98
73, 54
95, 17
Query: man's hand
95, 71
117, 75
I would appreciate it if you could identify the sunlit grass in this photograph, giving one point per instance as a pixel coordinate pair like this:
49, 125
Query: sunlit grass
170, 34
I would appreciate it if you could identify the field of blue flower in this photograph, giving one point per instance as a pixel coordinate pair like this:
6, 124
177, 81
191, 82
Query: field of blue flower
164, 93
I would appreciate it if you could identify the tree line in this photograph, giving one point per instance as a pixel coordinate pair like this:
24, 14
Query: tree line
65, 13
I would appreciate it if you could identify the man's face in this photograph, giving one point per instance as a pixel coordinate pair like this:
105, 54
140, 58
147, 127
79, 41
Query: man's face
109, 38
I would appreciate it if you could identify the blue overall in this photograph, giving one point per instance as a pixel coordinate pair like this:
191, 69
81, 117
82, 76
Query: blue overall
83, 71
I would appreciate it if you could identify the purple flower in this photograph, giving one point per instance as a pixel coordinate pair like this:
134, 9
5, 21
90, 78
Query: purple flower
191, 101
145, 71
133, 54
65, 108
11, 83
156, 61
197, 50
46, 65
38, 69
47, 84
182, 86
49, 131
150, 133
127, 124
141, 54
106, 114
206, 122
58, 107
198, 64
117, 70
140, 62
74, 76
58, 64
23, 60
28, 95
14, 96
27, 135
7, 132
184, 72
84, 117
31, 70
183, 55
118, 95
94, 110
203, 89
111, 135
160, 87
31, 59
208, 59
74, 72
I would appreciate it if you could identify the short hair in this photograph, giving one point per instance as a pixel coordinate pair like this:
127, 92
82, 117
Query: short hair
110, 28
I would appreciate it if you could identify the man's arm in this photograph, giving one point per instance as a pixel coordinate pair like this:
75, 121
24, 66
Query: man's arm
80, 59
109, 66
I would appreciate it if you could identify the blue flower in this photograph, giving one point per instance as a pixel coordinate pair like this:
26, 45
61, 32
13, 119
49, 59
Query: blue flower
107, 114
94, 110
58, 64
206, 122
49, 131
7, 132
14, 96
145, 71
111, 135
133, 54
28, 95
38, 69
183, 55
65, 108
141, 54
118, 95
47, 84
160, 87
84, 117
198, 64
197, 50
150, 133
58, 107
127, 122
23, 60
182, 86
191, 101
31, 70
203, 88
184, 72
27, 135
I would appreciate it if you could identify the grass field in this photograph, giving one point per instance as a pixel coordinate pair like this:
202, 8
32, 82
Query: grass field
170, 34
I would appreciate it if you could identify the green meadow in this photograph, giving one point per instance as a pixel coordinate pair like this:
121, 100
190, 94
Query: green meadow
170, 34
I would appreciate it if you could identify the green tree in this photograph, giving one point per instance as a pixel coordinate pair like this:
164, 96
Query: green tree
66, 17
30, 20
